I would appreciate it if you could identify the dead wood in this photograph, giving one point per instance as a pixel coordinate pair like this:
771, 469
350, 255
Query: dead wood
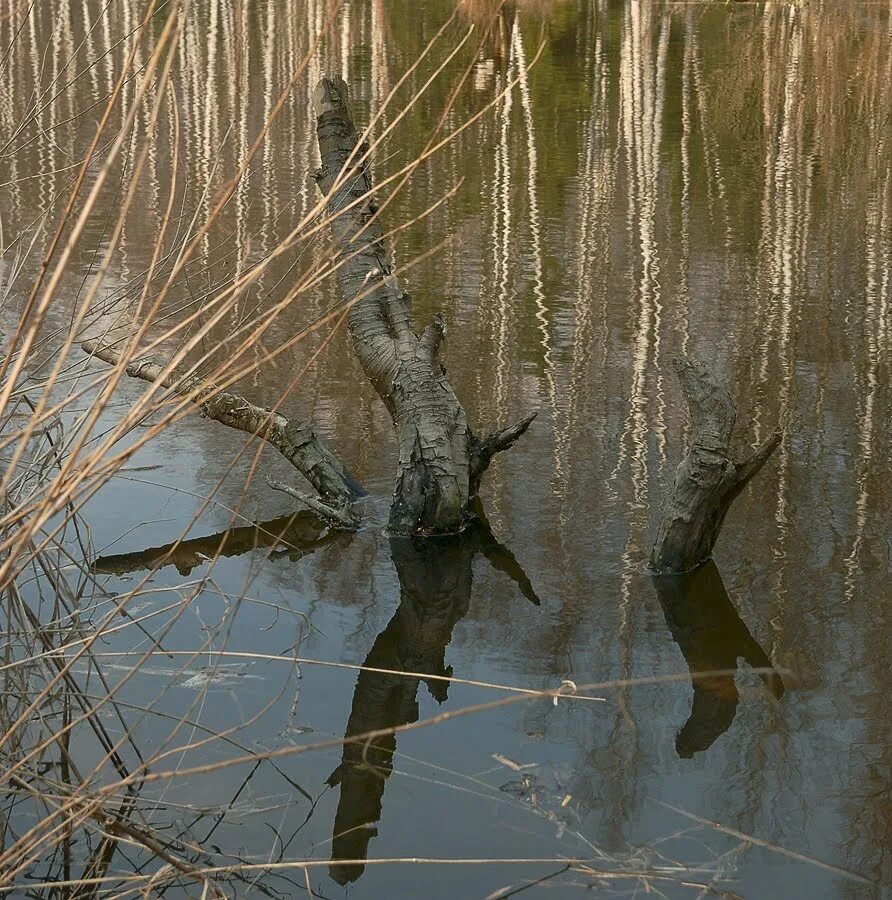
296, 440
707, 480
441, 461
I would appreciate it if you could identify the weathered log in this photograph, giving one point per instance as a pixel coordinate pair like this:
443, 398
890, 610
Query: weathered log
435, 580
707, 480
441, 461
711, 637
297, 441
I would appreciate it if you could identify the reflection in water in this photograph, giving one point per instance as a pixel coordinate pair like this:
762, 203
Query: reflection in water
435, 580
712, 637
712, 178
296, 535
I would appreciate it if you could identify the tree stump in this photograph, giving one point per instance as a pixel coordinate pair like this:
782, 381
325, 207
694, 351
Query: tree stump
707, 480
441, 461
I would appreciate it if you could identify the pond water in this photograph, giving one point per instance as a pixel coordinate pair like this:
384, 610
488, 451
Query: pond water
703, 178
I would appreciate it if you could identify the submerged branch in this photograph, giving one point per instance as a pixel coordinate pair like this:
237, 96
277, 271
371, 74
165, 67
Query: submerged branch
296, 440
340, 517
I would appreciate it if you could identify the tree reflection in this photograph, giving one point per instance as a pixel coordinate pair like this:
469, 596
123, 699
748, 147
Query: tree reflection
712, 637
435, 578
294, 536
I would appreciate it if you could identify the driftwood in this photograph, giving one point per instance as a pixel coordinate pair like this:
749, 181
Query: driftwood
435, 580
707, 480
294, 439
712, 637
441, 461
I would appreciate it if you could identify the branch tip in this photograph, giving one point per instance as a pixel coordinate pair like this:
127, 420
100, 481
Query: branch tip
342, 517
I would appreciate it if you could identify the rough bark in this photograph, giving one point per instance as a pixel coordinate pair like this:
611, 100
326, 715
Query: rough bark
441, 461
435, 580
707, 479
712, 637
294, 439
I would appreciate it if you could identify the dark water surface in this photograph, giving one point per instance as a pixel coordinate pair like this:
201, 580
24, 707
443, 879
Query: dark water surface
704, 178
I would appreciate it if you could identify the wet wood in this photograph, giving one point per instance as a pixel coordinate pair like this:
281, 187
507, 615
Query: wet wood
296, 440
707, 480
441, 461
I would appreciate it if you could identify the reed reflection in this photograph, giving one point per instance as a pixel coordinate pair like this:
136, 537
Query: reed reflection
712, 637
435, 579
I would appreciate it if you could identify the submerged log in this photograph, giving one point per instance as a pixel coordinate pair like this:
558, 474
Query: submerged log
435, 580
712, 637
441, 461
296, 440
707, 480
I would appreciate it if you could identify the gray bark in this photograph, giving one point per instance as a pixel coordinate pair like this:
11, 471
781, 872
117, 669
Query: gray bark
294, 439
707, 479
441, 461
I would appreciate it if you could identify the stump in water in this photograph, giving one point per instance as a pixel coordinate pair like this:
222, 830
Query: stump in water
707, 479
435, 580
441, 461
712, 637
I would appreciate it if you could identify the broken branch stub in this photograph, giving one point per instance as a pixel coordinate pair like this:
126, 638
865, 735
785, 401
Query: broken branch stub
441, 461
707, 480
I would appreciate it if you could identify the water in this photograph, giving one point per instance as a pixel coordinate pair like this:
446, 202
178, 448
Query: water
703, 178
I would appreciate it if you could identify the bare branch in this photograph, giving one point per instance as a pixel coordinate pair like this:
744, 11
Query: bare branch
340, 518
495, 442
754, 462
294, 439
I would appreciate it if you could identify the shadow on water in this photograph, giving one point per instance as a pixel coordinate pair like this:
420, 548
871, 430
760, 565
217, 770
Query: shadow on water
435, 579
293, 536
712, 637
